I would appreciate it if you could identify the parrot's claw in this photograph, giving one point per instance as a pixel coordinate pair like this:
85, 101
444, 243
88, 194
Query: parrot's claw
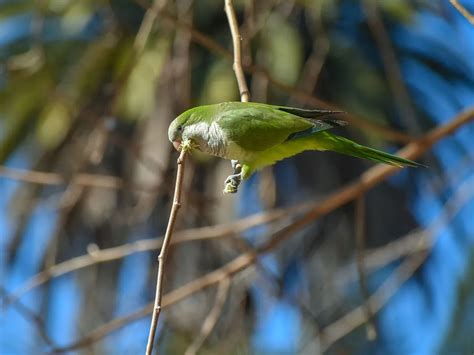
236, 166
232, 183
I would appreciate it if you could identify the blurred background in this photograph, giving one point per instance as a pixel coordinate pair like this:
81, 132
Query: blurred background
87, 90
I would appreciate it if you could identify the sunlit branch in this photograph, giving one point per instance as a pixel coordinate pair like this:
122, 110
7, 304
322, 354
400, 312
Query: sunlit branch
463, 11
164, 250
391, 67
33, 317
212, 318
237, 45
360, 236
46, 178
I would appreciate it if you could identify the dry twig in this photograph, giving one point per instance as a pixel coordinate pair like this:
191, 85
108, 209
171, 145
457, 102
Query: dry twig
212, 318
43, 178
35, 318
164, 250
390, 64
463, 11
360, 254
236, 42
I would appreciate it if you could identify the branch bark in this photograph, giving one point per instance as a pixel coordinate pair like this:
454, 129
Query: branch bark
463, 11
237, 44
212, 318
164, 251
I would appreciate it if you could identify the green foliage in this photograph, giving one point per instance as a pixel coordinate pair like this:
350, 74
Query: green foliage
281, 50
219, 85
137, 102
53, 124
19, 106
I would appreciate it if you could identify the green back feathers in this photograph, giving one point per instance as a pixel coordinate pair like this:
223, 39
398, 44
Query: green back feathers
256, 126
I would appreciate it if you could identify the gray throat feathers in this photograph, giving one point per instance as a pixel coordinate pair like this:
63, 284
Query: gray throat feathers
210, 138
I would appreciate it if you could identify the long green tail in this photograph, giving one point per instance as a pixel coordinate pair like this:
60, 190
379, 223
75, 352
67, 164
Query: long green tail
346, 146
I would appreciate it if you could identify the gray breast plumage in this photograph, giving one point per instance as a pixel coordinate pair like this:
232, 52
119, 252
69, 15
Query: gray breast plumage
210, 138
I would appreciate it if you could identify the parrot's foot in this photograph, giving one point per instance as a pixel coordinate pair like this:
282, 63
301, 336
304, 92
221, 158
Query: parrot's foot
232, 183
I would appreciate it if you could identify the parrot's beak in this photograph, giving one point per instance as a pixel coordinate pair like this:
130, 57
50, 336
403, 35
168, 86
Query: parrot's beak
177, 144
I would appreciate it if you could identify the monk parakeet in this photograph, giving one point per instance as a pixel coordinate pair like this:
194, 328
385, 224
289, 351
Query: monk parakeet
254, 135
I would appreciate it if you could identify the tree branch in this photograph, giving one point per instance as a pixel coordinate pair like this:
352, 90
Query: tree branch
164, 251
360, 237
212, 318
463, 11
392, 70
44, 178
236, 42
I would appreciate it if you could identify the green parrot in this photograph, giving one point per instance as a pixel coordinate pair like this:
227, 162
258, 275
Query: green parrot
254, 135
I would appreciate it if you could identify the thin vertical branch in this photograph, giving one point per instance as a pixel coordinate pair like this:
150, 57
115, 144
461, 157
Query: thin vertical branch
236, 41
360, 257
377, 300
147, 25
321, 45
164, 251
212, 318
391, 67
36, 319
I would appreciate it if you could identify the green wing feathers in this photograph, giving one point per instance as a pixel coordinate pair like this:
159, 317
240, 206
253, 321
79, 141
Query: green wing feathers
257, 126
270, 133
346, 146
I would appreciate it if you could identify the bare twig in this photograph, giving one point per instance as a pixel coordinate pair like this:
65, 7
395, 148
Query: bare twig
35, 318
44, 178
212, 318
390, 63
236, 41
360, 254
368, 180
321, 45
164, 250
463, 11
147, 25
384, 293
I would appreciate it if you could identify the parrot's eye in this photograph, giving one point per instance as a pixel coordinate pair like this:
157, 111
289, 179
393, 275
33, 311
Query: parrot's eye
180, 128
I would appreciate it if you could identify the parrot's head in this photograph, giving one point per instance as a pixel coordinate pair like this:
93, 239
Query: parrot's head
178, 128
195, 127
